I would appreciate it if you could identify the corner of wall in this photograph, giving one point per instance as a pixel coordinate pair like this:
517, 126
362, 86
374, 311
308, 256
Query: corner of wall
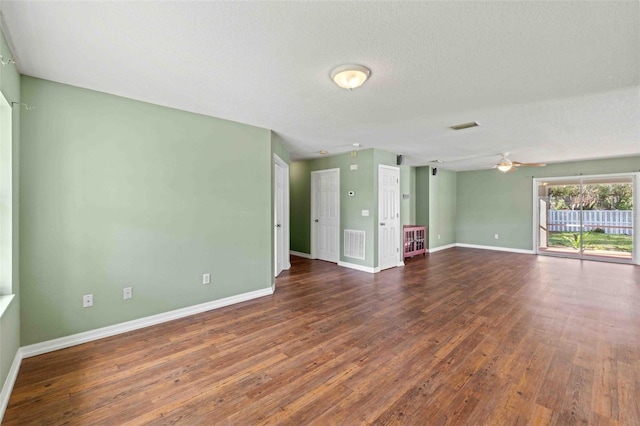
10, 318
279, 147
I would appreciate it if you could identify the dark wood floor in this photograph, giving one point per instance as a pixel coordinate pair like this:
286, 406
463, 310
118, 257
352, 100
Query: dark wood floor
460, 336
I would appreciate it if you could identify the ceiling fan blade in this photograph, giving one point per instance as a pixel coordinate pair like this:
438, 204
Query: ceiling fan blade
518, 164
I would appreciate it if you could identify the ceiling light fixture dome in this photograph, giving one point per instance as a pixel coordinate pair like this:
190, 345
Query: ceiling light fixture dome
350, 76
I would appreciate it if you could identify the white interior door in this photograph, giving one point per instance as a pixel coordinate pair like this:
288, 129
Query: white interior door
279, 218
388, 216
325, 215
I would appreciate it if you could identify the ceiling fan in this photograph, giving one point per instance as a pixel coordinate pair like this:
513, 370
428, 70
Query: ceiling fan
505, 165
340, 149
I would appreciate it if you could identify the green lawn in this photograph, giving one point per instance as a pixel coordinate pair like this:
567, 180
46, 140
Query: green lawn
592, 240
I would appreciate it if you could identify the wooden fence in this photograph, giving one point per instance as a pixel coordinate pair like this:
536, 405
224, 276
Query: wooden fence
618, 222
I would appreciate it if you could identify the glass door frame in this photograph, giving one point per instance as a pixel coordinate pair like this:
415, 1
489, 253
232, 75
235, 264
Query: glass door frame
635, 176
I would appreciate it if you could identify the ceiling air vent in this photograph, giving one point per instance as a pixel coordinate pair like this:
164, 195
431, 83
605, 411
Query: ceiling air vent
464, 126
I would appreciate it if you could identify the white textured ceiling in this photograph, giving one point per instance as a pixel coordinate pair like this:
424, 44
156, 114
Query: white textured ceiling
548, 81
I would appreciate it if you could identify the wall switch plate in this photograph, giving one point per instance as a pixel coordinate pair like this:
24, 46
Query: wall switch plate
496, 236
127, 293
87, 300
438, 236
365, 212
206, 278
354, 167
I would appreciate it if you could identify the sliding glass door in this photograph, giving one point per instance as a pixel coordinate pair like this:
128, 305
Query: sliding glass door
586, 218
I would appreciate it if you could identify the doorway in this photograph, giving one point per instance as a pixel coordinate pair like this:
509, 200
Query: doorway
388, 216
280, 215
325, 215
590, 217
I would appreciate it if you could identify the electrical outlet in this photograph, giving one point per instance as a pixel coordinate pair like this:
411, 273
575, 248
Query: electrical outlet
87, 300
496, 236
127, 293
206, 278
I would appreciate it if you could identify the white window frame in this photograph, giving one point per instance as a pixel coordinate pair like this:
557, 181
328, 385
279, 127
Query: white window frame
636, 210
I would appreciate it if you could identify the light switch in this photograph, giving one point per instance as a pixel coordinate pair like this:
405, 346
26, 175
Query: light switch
365, 212
354, 167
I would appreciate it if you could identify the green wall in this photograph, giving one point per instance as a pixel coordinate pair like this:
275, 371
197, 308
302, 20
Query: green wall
490, 202
407, 187
118, 193
436, 205
423, 176
364, 182
442, 208
10, 319
300, 206
360, 181
278, 148
465, 207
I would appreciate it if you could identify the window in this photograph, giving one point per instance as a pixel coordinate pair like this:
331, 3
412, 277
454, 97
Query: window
6, 198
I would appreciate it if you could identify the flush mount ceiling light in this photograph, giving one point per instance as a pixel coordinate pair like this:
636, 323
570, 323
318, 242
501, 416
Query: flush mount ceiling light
350, 76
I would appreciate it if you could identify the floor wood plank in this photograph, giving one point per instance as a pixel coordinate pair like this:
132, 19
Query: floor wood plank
461, 336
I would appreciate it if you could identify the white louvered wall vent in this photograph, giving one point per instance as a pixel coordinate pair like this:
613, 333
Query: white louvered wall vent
354, 244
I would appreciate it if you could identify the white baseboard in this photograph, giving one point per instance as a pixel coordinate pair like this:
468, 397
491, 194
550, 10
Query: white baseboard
436, 249
5, 394
112, 330
512, 250
359, 267
300, 254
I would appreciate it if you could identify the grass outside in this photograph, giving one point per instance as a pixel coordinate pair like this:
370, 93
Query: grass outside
592, 241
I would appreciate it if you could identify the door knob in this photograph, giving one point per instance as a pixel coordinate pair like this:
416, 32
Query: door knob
315, 220
278, 226
381, 223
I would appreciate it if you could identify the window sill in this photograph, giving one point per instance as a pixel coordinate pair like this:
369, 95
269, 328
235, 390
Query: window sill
5, 301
